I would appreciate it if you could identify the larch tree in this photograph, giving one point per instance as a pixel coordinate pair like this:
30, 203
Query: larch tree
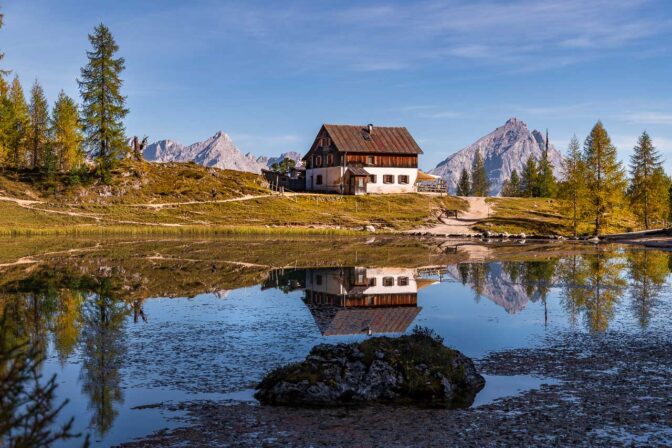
529, 184
17, 137
647, 182
38, 128
605, 178
103, 105
573, 182
547, 182
464, 184
480, 183
5, 112
66, 134
511, 187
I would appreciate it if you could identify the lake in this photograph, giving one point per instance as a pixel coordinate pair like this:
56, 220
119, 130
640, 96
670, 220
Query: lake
128, 324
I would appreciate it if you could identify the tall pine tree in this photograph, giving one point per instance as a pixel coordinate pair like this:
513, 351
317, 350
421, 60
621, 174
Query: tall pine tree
20, 124
480, 184
511, 187
5, 112
464, 184
38, 130
547, 181
646, 181
574, 182
529, 184
66, 134
103, 105
605, 179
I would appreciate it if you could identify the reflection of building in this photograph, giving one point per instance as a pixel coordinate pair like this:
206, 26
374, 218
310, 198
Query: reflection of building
362, 300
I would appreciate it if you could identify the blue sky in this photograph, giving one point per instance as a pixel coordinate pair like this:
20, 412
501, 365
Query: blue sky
269, 73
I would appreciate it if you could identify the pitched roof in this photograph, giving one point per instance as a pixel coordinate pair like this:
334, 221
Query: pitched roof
347, 321
355, 171
383, 139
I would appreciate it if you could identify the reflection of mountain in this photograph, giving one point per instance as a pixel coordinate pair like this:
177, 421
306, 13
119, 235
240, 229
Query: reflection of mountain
495, 283
361, 300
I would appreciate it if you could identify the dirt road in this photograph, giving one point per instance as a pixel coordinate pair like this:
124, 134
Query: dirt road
478, 210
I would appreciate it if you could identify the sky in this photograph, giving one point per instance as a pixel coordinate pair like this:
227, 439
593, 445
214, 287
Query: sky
269, 73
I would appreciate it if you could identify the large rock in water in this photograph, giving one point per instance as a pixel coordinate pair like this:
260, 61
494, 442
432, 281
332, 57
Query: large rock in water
410, 369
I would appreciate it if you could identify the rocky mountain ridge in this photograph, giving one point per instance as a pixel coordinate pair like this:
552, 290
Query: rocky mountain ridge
218, 151
506, 148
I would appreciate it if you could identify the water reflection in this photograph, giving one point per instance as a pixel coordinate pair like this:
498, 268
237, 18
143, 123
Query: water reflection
355, 300
103, 351
92, 320
77, 311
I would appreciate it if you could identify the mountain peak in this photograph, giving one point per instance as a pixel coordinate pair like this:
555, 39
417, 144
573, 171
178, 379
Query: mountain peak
217, 151
505, 149
515, 123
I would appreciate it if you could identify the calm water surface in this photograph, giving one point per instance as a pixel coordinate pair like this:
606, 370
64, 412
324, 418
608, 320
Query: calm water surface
125, 332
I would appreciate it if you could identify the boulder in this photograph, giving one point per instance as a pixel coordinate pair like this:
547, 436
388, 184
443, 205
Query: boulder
369, 228
416, 368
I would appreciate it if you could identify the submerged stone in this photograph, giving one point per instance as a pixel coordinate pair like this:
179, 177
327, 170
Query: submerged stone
416, 368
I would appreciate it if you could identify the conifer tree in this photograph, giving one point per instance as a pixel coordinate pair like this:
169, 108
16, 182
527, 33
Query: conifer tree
511, 187
480, 183
605, 179
103, 105
38, 128
645, 179
17, 137
5, 111
547, 181
574, 183
464, 184
529, 184
66, 134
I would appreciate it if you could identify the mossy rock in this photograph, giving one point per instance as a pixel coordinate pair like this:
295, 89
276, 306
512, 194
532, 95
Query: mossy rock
412, 369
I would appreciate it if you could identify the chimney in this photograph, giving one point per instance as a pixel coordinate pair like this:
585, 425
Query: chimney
370, 128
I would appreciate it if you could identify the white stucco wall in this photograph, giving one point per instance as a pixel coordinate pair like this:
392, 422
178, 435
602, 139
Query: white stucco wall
331, 178
332, 282
380, 187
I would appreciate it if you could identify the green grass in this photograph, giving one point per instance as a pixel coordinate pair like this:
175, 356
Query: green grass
539, 216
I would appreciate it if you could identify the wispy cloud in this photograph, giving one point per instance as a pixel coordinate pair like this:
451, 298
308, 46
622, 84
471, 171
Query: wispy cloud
649, 118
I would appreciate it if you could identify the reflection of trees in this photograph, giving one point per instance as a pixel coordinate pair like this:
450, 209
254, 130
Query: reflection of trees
648, 273
103, 350
478, 276
593, 285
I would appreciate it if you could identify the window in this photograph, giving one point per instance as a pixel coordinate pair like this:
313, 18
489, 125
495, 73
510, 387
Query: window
388, 179
372, 281
318, 161
402, 281
388, 281
370, 160
372, 179
318, 179
325, 142
403, 179
330, 159
318, 279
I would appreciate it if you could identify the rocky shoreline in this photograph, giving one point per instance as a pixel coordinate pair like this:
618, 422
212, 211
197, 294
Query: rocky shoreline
614, 390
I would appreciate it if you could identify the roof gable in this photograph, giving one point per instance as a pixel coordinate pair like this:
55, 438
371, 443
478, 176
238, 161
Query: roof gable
383, 139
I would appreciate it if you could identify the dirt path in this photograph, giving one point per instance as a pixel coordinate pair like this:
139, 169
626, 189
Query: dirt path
22, 202
218, 201
478, 210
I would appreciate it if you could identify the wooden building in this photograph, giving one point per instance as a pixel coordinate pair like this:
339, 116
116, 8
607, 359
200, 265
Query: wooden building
351, 159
